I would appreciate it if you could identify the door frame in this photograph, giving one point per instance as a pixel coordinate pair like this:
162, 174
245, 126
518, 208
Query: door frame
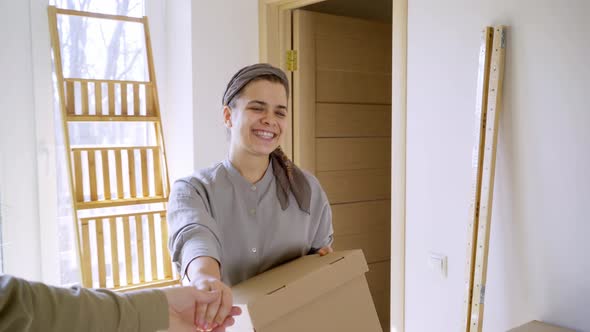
275, 38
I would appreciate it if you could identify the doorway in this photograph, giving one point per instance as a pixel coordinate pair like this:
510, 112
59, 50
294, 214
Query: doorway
342, 129
349, 120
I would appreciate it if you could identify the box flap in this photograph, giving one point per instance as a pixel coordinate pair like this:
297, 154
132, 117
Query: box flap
283, 289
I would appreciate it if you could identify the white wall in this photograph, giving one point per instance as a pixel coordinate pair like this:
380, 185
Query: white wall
201, 47
180, 142
18, 169
170, 27
538, 261
225, 38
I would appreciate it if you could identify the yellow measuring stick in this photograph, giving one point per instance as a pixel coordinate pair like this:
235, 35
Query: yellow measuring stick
489, 96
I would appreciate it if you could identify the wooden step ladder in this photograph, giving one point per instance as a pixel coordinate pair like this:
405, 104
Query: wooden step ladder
113, 248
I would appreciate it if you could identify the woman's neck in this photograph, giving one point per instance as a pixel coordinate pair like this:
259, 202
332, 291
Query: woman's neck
251, 167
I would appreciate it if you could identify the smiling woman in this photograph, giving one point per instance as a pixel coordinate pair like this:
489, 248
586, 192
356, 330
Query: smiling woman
255, 209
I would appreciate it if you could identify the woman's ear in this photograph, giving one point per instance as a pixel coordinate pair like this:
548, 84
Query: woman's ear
227, 116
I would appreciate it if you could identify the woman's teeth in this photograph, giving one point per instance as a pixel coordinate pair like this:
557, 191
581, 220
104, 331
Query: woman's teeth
264, 134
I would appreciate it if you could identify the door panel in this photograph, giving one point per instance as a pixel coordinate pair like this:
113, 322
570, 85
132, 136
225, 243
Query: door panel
342, 132
353, 87
347, 54
335, 154
356, 185
375, 245
355, 218
352, 120
378, 279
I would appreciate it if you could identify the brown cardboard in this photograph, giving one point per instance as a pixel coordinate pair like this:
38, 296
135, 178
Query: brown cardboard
536, 326
312, 293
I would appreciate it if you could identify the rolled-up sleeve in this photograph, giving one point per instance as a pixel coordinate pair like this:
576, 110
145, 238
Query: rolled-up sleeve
193, 232
325, 233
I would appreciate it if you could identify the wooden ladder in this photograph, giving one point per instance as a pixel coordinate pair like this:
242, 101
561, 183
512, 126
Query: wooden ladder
132, 180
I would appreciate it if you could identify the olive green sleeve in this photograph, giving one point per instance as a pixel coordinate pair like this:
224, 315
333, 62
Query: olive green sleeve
32, 306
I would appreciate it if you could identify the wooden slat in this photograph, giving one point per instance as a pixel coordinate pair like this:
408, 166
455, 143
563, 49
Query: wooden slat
127, 246
145, 190
86, 254
114, 252
357, 185
79, 183
124, 106
121, 215
71, 103
92, 175
334, 154
93, 80
119, 171
165, 251
101, 148
100, 253
375, 245
354, 218
120, 202
139, 247
136, 107
106, 118
84, 90
149, 101
131, 170
98, 15
111, 97
106, 178
157, 172
152, 284
352, 120
353, 87
98, 97
153, 254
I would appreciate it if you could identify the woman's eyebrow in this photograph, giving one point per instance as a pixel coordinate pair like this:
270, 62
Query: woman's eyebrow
257, 102
262, 103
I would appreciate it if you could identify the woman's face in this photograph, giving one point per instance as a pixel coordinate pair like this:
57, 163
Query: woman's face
259, 118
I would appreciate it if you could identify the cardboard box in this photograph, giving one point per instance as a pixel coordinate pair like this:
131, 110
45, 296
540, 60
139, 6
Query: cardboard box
536, 326
312, 293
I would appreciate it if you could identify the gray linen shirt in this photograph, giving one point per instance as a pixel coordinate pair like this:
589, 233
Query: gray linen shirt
217, 213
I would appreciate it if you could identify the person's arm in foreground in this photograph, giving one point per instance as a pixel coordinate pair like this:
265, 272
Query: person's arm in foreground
32, 306
196, 249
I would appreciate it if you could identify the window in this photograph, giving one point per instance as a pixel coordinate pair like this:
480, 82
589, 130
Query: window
104, 49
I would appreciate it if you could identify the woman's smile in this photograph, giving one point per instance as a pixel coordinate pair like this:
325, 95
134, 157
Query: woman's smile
264, 134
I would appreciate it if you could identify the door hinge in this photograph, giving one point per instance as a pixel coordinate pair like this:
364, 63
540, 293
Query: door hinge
291, 60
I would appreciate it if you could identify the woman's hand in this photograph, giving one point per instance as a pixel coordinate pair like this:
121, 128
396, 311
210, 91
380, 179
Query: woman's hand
325, 250
182, 302
212, 316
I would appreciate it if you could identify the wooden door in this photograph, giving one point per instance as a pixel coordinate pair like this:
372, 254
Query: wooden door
342, 131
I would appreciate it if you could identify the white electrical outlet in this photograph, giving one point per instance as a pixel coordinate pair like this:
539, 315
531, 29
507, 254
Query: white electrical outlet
438, 264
